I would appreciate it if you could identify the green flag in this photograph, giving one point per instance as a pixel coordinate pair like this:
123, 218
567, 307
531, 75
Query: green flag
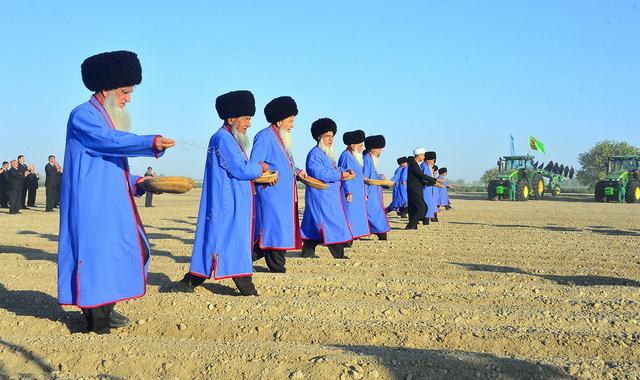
536, 145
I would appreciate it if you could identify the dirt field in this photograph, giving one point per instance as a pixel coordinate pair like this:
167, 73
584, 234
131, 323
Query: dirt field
496, 290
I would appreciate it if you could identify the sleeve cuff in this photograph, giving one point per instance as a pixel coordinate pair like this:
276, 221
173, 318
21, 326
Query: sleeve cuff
155, 151
137, 191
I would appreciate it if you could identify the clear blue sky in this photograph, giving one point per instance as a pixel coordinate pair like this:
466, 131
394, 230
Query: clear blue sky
456, 77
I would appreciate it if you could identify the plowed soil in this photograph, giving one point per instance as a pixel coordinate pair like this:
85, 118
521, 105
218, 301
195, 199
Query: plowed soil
495, 290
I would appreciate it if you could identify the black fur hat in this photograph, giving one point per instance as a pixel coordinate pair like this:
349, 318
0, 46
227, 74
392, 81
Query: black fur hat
111, 70
374, 142
430, 156
280, 108
353, 137
442, 170
401, 160
322, 126
236, 104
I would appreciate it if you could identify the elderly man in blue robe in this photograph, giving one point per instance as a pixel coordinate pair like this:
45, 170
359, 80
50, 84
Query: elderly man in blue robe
399, 200
432, 210
444, 193
277, 227
353, 190
324, 220
224, 235
378, 223
103, 251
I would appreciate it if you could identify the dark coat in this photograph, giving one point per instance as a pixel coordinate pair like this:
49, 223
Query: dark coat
4, 179
16, 179
416, 179
51, 175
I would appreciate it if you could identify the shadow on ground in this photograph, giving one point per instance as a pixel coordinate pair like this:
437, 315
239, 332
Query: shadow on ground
406, 363
560, 280
40, 305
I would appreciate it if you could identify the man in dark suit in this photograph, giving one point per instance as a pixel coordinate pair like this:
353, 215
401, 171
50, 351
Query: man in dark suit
32, 188
22, 168
149, 197
51, 183
4, 185
58, 183
16, 182
416, 180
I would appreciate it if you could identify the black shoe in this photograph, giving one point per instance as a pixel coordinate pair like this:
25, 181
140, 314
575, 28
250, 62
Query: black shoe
117, 320
411, 227
425, 221
48, 210
342, 258
17, 212
25, 208
183, 287
448, 207
435, 219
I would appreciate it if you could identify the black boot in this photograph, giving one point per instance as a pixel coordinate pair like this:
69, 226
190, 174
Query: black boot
382, 236
425, 221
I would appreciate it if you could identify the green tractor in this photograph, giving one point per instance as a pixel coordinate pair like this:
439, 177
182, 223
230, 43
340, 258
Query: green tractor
620, 168
529, 178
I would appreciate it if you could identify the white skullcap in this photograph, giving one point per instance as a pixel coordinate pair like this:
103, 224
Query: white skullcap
418, 151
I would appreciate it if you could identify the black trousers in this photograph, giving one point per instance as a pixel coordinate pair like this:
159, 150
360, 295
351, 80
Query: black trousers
14, 201
148, 199
98, 317
23, 195
309, 249
52, 197
275, 258
31, 199
4, 197
244, 283
417, 209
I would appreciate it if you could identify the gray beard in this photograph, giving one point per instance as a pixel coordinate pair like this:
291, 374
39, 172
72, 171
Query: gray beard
358, 156
327, 150
286, 138
374, 159
242, 140
119, 116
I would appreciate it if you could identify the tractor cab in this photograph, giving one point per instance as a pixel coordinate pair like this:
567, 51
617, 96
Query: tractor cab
515, 163
618, 166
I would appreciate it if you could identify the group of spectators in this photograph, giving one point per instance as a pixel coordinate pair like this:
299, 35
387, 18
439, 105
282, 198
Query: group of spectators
19, 185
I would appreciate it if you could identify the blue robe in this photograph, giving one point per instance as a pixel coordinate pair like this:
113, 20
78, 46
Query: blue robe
428, 193
399, 190
223, 242
100, 246
444, 194
324, 217
356, 210
378, 222
276, 223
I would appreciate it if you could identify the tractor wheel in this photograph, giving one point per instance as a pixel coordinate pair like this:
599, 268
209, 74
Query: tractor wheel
523, 190
491, 191
555, 192
600, 196
633, 192
537, 187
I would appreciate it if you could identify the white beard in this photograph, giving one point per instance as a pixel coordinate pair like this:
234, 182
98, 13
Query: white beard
119, 116
242, 140
327, 150
358, 156
374, 159
286, 138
